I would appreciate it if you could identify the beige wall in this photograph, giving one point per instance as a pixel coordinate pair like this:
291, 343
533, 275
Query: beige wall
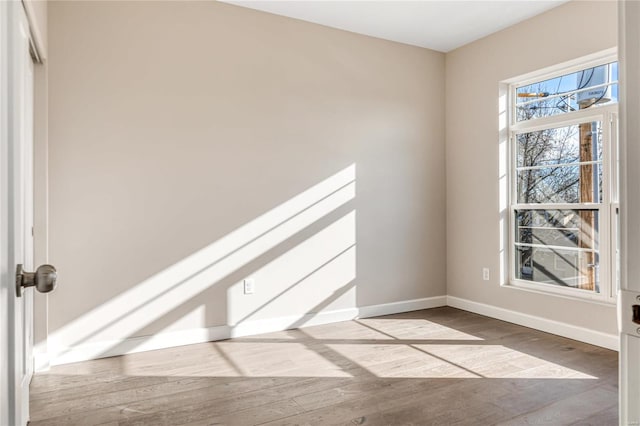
174, 124
202, 143
474, 212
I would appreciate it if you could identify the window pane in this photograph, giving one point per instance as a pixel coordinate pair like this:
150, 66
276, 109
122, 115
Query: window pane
560, 145
555, 96
558, 247
561, 184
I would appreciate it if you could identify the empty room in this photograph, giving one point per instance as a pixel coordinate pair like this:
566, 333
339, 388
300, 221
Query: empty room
319, 212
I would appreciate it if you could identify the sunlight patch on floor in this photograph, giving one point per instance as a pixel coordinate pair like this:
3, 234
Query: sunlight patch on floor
246, 359
411, 329
497, 361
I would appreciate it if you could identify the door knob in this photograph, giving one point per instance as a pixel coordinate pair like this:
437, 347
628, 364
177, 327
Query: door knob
43, 279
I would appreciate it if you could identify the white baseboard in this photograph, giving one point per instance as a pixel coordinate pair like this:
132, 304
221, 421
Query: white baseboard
108, 348
609, 341
404, 306
103, 349
270, 325
41, 357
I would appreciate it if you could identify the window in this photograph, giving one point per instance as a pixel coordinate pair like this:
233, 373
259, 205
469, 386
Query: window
564, 181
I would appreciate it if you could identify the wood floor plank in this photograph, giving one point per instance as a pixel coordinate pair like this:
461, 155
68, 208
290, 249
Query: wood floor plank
218, 391
439, 366
231, 405
606, 417
568, 410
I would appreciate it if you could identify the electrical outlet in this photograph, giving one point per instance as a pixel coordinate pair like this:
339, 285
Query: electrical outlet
485, 274
249, 286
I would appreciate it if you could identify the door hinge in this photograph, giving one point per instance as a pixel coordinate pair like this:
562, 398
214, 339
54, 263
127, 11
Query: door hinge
629, 312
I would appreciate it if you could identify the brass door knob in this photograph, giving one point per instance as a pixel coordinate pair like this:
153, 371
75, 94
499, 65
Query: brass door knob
43, 279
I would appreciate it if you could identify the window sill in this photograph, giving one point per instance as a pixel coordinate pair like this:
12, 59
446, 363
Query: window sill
573, 294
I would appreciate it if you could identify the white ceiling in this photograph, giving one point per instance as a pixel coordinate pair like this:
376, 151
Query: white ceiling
435, 24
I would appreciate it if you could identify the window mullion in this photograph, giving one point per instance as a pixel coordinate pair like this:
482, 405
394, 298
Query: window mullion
561, 120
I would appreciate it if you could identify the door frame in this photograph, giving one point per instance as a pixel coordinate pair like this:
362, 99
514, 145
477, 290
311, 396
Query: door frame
17, 108
5, 295
21, 143
629, 68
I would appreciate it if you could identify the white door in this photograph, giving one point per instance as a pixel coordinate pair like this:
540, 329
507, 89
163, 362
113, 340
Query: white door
629, 300
16, 216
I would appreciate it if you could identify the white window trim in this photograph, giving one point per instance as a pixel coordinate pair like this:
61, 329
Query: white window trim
568, 67
607, 115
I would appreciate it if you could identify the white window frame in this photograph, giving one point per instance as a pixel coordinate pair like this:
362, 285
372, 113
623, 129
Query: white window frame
607, 232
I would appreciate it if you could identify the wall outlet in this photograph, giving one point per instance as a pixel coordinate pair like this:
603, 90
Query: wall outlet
249, 286
485, 274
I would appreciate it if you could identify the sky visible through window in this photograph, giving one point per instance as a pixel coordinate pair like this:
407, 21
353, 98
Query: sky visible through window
554, 96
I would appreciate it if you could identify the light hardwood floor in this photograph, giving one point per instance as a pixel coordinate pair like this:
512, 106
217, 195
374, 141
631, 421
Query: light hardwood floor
439, 366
